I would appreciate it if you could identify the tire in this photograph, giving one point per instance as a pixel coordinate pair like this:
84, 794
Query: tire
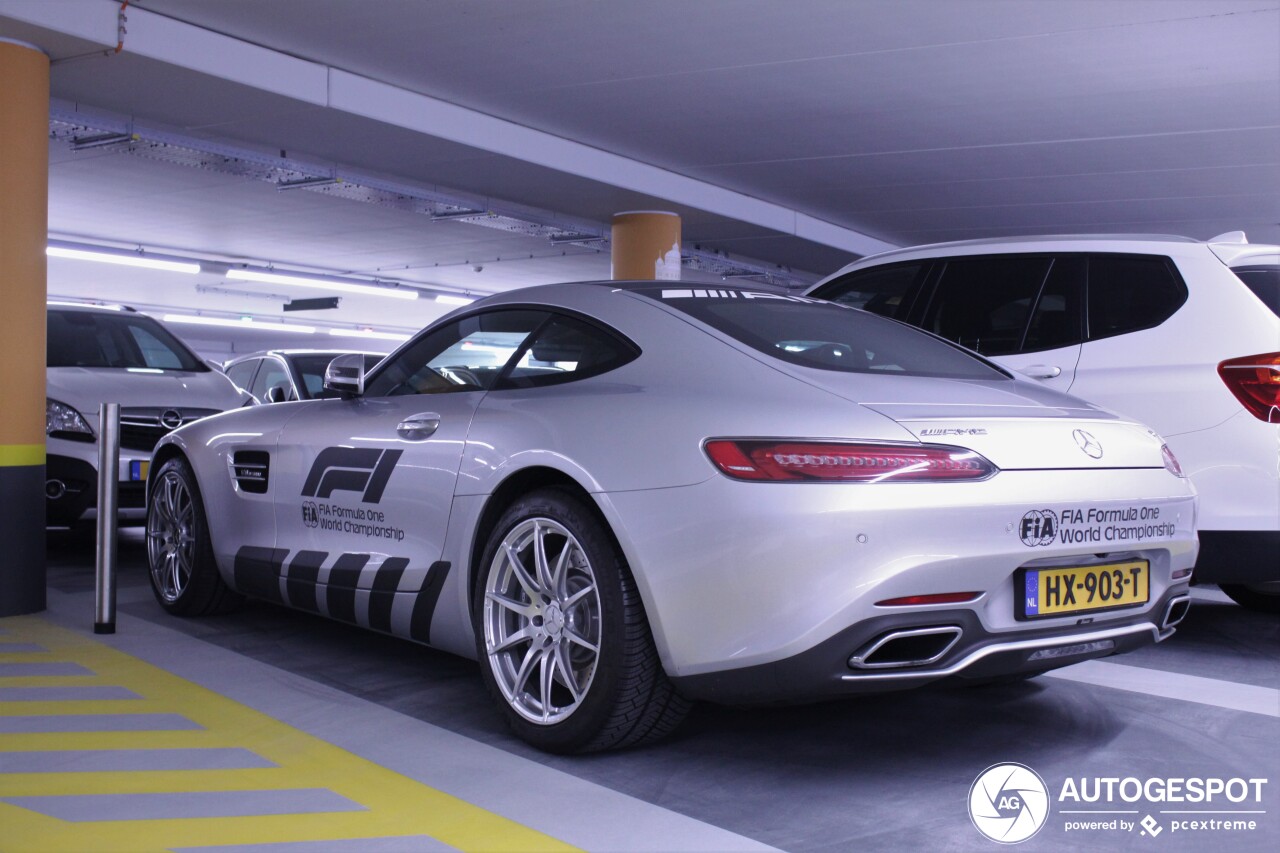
1253, 598
184, 576
563, 641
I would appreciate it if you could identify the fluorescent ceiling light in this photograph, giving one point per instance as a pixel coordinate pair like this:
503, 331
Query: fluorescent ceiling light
446, 299
85, 304
269, 277
243, 323
368, 333
125, 258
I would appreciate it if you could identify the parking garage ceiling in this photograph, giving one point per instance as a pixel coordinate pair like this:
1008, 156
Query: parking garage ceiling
792, 136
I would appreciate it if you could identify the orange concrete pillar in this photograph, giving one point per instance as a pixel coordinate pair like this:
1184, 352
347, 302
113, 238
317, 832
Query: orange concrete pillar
24, 213
646, 245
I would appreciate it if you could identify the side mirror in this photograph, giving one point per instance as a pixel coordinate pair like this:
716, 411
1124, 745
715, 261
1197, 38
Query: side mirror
345, 375
277, 394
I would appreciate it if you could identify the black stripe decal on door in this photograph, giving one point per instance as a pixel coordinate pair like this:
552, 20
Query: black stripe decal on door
383, 594
257, 572
424, 607
341, 594
300, 584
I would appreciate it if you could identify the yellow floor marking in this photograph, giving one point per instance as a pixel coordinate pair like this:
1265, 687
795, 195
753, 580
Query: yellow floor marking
395, 805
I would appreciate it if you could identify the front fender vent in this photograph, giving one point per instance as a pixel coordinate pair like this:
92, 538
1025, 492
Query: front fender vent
250, 469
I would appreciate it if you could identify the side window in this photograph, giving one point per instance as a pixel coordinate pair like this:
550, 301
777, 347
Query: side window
465, 355
984, 303
1128, 293
242, 373
273, 373
888, 290
566, 349
1264, 281
1058, 320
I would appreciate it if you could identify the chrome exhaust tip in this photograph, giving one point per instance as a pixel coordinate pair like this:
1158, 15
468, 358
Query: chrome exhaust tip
1176, 611
914, 647
54, 489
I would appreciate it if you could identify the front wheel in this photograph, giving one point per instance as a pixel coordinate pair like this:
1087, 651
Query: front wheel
184, 576
561, 633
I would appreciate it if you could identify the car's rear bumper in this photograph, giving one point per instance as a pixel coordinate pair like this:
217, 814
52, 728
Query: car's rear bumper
1238, 556
737, 575
828, 670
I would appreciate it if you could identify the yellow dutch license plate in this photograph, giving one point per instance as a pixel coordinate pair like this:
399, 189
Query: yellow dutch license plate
138, 469
1083, 589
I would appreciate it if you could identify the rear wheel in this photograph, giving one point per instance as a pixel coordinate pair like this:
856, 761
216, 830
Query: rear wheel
561, 633
184, 576
1264, 598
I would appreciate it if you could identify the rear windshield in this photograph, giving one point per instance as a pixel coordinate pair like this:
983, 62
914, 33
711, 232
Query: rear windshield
100, 339
1264, 281
824, 335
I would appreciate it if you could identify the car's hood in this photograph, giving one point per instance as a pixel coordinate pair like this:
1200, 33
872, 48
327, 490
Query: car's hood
1016, 424
85, 388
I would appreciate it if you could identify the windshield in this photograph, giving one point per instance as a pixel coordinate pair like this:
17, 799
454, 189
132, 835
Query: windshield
823, 335
1264, 281
100, 339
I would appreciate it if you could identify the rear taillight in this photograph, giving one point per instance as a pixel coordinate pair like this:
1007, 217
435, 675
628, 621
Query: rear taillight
1171, 462
756, 459
1255, 380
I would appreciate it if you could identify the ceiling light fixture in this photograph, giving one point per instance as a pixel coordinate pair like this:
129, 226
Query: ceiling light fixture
102, 140
320, 282
368, 333
458, 214
307, 183
242, 323
446, 299
123, 257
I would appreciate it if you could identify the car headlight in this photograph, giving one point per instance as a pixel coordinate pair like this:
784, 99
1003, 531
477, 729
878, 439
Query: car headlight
59, 417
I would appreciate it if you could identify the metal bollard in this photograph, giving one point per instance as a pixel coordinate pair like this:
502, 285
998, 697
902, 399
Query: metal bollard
104, 604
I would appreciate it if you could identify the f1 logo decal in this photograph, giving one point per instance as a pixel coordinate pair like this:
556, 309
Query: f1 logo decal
351, 469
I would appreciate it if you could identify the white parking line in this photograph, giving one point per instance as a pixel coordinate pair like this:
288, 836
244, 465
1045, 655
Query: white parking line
1171, 685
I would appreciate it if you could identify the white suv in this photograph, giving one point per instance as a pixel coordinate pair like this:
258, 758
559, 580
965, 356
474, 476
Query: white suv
1179, 334
110, 354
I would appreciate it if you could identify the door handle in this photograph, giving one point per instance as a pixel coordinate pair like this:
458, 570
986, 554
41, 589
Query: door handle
418, 427
1040, 371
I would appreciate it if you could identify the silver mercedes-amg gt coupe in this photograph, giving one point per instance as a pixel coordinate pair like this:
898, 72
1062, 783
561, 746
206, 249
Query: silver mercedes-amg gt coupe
621, 497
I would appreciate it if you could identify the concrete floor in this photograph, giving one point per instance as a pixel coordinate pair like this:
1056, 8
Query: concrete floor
889, 772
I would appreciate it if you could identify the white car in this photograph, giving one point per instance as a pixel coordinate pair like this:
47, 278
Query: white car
619, 497
1179, 334
112, 354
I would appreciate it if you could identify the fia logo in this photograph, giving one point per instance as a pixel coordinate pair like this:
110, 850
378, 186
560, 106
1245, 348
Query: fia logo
351, 469
310, 514
1038, 527
1008, 803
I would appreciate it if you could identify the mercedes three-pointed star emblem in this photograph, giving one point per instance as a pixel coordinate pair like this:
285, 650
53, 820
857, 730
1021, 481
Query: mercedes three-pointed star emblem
1087, 443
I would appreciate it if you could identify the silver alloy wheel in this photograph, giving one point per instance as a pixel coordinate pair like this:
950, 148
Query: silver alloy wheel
171, 541
542, 624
